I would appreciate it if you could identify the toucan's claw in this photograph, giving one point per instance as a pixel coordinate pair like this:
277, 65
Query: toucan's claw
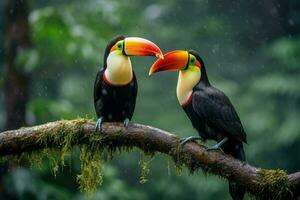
215, 147
218, 146
183, 141
126, 122
99, 123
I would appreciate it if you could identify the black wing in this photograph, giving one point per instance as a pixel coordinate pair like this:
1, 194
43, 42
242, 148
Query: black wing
98, 86
214, 106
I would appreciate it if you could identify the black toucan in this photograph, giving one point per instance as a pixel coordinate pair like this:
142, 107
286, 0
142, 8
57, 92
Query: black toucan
115, 88
208, 108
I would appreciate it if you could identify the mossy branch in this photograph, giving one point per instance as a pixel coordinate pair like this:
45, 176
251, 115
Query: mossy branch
261, 183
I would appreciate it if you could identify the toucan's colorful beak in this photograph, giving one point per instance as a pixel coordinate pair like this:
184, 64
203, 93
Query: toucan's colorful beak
174, 60
135, 46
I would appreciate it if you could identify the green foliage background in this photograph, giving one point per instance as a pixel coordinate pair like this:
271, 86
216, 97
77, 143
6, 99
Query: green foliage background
251, 50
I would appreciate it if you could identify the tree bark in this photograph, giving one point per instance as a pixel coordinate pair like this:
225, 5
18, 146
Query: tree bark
261, 183
16, 83
17, 40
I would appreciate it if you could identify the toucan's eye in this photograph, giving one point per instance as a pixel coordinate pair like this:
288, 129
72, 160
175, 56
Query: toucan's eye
192, 61
119, 46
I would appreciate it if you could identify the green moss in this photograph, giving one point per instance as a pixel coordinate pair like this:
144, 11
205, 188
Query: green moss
144, 164
12, 160
91, 174
183, 159
53, 157
63, 136
178, 169
168, 166
35, 159
274, 184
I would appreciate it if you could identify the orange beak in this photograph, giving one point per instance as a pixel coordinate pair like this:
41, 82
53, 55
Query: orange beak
135, 46
173, 61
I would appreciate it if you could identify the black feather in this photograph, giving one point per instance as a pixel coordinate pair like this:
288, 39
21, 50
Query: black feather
214, 106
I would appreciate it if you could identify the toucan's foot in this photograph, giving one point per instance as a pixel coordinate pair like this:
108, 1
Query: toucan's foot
183, 141
99, 123
218, 146
126, 122
215, 147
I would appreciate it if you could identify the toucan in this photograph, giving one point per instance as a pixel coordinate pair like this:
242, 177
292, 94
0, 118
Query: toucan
115, 87
209, 109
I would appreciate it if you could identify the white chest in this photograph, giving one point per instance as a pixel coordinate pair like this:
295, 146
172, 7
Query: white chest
119, 69
186, 82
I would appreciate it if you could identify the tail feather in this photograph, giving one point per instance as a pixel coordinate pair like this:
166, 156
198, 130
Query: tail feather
236, 149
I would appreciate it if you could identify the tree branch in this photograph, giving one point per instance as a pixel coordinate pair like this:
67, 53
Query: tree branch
264, 184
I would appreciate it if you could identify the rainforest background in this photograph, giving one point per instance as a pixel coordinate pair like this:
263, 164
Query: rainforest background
251, 50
